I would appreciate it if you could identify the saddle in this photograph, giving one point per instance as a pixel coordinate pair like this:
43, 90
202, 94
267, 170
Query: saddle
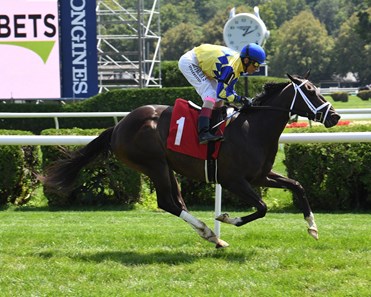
183, 135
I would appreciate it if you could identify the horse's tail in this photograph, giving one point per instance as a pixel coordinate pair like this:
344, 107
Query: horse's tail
61, 174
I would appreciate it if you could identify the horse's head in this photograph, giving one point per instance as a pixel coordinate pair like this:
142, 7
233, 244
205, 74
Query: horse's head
307, 101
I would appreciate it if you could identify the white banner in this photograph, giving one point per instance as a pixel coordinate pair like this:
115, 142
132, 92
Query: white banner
29, 49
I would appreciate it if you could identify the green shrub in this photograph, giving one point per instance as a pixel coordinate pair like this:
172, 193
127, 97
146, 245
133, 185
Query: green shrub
103, 182
364, 95
335, 176
171, 75
340, 96
19, 166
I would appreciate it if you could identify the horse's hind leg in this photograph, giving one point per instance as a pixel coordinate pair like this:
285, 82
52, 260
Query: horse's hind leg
169, 199
243, 189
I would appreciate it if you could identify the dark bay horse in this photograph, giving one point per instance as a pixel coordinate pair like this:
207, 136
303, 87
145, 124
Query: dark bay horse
245, 158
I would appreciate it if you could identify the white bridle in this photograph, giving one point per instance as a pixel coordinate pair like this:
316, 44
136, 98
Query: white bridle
313, 109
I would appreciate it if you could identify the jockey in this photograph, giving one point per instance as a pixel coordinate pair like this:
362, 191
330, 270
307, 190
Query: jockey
213, 71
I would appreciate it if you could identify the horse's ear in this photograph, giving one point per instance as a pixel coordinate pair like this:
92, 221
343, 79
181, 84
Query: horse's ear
306, 75
290, 77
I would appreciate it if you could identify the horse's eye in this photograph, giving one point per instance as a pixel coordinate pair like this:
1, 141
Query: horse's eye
311, 88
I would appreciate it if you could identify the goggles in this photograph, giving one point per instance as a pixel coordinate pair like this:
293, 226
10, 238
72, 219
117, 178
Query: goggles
254, 63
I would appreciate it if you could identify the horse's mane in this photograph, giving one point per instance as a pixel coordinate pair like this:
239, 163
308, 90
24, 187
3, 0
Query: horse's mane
269, 90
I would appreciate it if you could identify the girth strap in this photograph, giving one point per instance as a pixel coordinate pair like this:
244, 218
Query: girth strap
211, 171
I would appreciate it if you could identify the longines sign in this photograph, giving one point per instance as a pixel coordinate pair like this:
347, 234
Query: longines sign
79, 48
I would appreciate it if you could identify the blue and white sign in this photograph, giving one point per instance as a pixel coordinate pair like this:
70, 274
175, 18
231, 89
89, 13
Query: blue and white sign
78, 26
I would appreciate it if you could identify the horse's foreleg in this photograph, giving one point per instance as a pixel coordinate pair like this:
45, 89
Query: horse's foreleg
275, 180
312, 227
203, 230
169, 199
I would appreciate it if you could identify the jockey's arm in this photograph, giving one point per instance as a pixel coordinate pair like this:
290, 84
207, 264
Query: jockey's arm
226, 82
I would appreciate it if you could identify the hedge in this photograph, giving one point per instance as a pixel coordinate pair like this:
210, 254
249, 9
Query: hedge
103, 182
335, 176
19, 166
364, 94
340, 96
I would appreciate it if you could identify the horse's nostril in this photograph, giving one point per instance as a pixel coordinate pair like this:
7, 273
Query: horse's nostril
336, 117
332, 120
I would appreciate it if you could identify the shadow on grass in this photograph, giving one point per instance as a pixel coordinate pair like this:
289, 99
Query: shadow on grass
167, 257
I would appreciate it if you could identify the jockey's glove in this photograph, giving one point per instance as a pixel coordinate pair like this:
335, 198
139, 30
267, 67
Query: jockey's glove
246, 102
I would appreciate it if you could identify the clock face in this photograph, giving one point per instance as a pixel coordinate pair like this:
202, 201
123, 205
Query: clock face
242, 29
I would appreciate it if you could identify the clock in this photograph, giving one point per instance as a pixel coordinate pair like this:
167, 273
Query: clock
242, 29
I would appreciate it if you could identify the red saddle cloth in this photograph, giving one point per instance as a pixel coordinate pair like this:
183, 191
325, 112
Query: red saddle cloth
183, 136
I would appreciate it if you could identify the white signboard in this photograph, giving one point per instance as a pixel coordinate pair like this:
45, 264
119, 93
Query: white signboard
29, 49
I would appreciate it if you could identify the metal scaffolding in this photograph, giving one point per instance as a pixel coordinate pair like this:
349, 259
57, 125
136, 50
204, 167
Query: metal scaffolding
128, 45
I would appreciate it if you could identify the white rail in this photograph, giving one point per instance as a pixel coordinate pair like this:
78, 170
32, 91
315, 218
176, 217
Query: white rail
325, 137
56, 115
330, 90
45, 139
346, 114
351, 114
353, 110
285, 138
120, 114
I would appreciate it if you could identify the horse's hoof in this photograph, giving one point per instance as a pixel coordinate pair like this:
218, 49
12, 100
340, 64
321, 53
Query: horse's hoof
313, 232
221, 244
223, 217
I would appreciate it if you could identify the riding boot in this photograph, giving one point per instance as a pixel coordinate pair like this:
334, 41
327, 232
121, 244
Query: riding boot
204, 135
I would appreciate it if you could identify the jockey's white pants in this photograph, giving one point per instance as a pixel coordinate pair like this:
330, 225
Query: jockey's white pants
204, 86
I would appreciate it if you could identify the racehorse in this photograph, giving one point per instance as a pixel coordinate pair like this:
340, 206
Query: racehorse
245, 158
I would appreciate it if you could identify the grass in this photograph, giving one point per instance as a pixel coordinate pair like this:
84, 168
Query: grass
353, 102
146, 253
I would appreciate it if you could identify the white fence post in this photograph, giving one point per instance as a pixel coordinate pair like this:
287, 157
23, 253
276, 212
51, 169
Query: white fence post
218, 207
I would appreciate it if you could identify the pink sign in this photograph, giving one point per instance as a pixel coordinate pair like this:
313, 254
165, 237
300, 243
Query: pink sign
29, 49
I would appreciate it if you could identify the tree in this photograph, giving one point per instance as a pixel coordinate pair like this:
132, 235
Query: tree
285, 10
352, 53
364, 24
301, 44
213, 29
207, 10
330, 14
173, 14
170, 17
180, 39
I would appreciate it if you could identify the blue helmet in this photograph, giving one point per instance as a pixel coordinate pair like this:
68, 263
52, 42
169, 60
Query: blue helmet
254, 52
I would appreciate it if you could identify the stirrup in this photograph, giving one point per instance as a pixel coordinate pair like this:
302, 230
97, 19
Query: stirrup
205, 137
